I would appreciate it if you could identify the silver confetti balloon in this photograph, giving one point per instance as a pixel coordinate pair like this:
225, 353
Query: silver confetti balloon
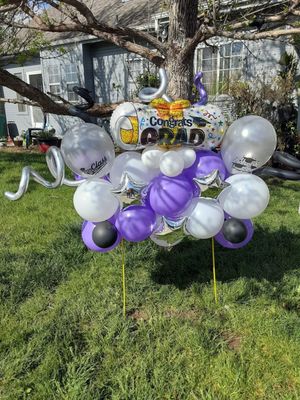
248, 144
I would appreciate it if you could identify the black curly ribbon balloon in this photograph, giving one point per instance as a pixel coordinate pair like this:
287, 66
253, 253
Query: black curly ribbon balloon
285, 159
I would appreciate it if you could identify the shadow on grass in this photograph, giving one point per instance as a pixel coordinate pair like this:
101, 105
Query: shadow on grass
47, 267
268, 256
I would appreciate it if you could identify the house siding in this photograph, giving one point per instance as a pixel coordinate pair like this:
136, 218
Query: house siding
62, 56
22, 119
104, 70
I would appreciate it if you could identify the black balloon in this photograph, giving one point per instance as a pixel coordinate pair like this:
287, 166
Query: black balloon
234, 230
104, 234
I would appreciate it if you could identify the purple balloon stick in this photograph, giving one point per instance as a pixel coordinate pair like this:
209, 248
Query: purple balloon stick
201, 89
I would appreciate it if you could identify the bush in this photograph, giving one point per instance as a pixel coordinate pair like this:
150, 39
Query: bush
274, 101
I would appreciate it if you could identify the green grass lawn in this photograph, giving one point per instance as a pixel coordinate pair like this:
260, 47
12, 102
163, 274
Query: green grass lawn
62, 333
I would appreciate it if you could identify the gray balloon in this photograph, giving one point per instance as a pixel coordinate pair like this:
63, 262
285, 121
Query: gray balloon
248, 144
88, 150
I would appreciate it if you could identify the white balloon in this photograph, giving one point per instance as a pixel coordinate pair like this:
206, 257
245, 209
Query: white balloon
188, 155
131, 163
171, 164
248, 144
94, 201
151, 157
88, 150
206, 219
247, 197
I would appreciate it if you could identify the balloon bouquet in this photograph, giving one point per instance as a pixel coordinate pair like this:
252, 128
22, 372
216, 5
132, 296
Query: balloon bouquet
170, 156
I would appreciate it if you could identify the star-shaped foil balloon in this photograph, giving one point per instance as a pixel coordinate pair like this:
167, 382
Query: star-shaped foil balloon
213, 180
129, 188
170, 232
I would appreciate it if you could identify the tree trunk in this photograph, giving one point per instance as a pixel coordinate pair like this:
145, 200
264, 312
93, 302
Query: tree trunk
180, 74
182, 28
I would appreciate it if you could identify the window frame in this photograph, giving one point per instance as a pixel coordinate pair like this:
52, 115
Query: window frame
20, 75
217, 87
71, 82
55, 83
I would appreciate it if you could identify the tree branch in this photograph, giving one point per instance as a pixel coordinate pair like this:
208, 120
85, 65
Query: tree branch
152, 55
31, 93
36, 98
19, 101
258, 35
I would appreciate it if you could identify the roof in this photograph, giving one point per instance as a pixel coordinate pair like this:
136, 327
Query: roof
132, 13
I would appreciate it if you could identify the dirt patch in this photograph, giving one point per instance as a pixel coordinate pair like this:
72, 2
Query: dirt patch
232, 340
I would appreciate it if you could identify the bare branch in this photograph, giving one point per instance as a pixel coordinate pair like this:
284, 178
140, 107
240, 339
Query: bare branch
275, 33
59, 98
19, 101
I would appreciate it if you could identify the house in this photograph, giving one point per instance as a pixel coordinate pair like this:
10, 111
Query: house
110, 72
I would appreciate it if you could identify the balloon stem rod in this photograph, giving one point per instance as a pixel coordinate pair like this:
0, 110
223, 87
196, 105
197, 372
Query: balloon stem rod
123, 279
214, 270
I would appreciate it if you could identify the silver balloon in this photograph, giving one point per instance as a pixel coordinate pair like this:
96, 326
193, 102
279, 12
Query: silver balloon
55, 171
56, 166
248, 144
213, 180
88, 150
130, 188
169, 233
148, 94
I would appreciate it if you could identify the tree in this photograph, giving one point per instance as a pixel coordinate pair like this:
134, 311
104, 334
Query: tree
190, 22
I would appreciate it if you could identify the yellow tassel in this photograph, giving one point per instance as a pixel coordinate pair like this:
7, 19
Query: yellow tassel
123, 279
214, 270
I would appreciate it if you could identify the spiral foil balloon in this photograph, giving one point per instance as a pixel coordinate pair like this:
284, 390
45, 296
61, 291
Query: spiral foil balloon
56, 166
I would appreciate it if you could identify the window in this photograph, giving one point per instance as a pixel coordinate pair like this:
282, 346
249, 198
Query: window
62, 79
220, 65
71, 80
21, 107
54, 79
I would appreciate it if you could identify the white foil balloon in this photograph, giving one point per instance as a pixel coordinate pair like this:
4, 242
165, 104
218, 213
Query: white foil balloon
94, 201
247, 197
171, 164
88, 150
188, 155
131, 163
248, 144
206, 219
151, 157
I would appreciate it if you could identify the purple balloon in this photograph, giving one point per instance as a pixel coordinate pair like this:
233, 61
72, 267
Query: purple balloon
229, 245
87, 237
136, 223
206, 162
170, 196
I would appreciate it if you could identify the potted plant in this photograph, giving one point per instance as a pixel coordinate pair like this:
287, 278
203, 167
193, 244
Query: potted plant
18, 141
47, 138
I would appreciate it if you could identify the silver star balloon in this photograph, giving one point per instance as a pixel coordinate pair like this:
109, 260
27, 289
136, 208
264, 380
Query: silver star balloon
169, 232
213, 180
129, 189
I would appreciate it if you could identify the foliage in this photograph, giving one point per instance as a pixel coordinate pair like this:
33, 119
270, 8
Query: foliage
45, 134
146, 79
274, 101
62, 334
